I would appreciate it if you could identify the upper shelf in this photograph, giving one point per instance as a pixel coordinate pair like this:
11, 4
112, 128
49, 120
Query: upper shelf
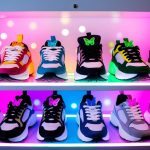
75, 5
56, 84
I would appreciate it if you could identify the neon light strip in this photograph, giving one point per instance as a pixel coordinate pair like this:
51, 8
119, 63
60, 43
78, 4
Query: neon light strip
75, 145
74, 116
71, 115
72, 84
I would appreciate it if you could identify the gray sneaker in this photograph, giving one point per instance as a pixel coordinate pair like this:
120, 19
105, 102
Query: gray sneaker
128, 118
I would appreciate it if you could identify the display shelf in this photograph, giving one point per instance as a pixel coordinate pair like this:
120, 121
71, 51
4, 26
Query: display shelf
73, 140
61, 5
53, 83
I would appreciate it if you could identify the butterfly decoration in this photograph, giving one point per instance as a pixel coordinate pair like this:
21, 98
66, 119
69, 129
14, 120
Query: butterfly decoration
128, 43
17, 102
54, 102
91, 102
89, 42
52, 43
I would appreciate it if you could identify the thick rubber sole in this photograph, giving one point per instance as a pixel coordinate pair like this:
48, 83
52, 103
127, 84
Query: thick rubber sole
32, 121
87, 139
113, 69
62, 76
60, 138
147, 117
25, 75
78, 76
123, 134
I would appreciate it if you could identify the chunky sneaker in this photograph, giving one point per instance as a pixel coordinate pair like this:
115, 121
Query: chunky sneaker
128, 118
89, 58
16, 60
1, 117
126, 61
19, 117
90, 120
52, 126
53, 59
147, 115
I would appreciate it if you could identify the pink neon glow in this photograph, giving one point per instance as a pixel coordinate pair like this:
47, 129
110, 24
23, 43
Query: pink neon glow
38, 26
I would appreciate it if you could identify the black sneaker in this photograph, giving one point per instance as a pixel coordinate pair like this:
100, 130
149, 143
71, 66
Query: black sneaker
19, 117
89, 58
52, 126
90, 120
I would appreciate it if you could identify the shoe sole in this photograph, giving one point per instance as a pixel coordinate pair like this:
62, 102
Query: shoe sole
119, 74
25, 75
31, 122
147, 117
123, 134
60, 138
62, 76
79, 76
87, 139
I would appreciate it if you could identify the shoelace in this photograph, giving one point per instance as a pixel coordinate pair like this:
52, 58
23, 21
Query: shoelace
50, 54
12, 53
88, 54
132, 54
93, 113
13, 112
134, 112
51, 114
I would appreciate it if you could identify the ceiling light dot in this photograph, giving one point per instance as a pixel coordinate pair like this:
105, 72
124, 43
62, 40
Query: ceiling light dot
10, 23
33, 25
74, 105
82, 29
3, 36
37, 102
65, 32
34, 45
111, 44
119, 35
107, 102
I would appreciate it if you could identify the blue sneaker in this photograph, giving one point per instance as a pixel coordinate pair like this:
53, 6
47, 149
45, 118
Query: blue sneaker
53, 59
90, 120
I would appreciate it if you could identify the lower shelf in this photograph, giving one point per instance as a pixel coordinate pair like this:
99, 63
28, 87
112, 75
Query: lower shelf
74, 141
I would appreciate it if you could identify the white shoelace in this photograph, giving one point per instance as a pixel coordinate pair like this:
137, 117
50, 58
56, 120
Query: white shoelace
12, 53
51, 55
134, 112
92, 112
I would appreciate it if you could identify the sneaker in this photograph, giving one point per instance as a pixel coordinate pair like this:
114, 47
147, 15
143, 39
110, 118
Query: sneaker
90, 120
53, 59
16, 60
52, 126
89, 58
126, 61
147, 115
128, 118
19, 117
1, 117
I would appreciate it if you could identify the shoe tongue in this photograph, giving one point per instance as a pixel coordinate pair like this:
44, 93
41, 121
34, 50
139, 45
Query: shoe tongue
51, 43
89, 40
54, 102
17, 44
91, 102
132, 102
17, 102
128, 43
